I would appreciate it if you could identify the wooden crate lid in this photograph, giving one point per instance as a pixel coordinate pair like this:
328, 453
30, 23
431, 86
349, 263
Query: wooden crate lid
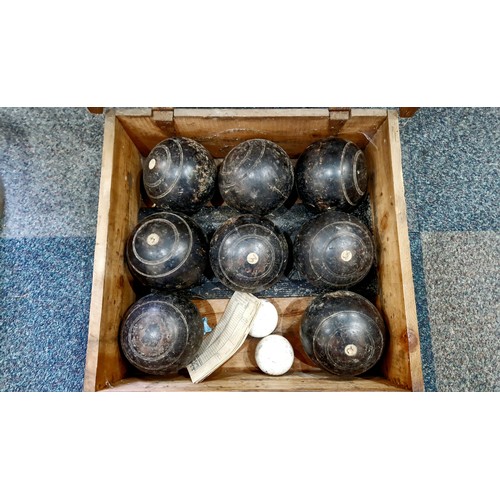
403, 112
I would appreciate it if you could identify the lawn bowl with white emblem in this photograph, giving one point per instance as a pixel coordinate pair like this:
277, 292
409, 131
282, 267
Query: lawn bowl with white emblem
179, 174
334, 250
274, 355
343, 333
248, 253
167, 251
332, 173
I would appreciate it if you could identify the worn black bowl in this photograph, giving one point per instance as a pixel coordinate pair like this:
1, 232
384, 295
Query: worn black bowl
332, 173
167, 251
334, 250
161, 333
343, 333
179, 174
256, 177
248, 253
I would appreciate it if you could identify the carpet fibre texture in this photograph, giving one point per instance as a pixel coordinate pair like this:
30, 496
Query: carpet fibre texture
50, 161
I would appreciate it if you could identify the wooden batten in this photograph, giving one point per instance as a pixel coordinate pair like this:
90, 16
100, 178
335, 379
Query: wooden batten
248, 381
338, 120
402, 362
112, 292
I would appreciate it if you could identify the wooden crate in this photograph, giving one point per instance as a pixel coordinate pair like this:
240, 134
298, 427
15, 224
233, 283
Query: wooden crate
129, 135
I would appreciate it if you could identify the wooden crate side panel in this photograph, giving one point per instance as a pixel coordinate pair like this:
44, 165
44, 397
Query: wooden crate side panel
219, 130
144, 131
402, 363
237, 381
112, 292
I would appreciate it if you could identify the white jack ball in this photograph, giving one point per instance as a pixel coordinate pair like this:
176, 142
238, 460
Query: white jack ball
266, 320
274, 355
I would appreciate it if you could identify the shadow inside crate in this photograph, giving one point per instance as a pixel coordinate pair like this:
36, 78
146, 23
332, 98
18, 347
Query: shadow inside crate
289, 220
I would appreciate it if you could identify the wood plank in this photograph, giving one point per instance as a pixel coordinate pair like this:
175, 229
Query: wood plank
250, 113
164, 119
96, 111
402, 361
237, 381
147, 112
219, 130
112, 292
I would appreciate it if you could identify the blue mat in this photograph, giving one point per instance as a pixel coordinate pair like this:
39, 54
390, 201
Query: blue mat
46, 285
50, 165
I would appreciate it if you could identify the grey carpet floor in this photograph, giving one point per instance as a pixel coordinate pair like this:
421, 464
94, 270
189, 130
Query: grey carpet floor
50, 165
